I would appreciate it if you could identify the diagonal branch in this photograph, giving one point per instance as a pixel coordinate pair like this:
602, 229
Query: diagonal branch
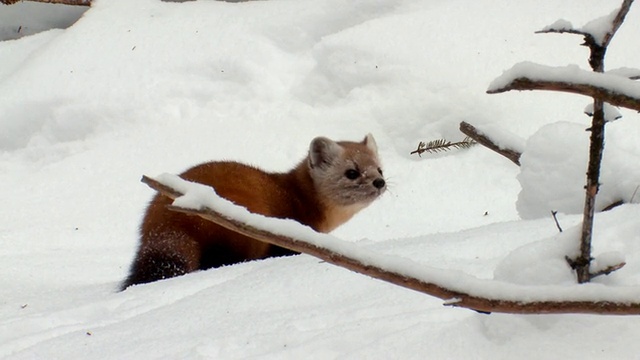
483, 140
617, 21
368, 266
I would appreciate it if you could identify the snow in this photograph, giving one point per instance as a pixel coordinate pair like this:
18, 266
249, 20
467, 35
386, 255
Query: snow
597, 28
501, 137
553, 167
600, 27
559, 25
611, 113
625, 72
147, 87
605, 261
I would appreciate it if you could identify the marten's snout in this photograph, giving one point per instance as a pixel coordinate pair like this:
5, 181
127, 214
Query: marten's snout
379, 183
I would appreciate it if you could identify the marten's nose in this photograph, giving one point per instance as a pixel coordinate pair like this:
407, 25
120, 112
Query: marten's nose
378, 183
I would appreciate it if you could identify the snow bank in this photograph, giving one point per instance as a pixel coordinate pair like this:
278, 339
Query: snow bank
554, 163
145, 87
28, 18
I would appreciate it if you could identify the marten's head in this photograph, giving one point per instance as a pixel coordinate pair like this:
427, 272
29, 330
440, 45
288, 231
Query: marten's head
345, 173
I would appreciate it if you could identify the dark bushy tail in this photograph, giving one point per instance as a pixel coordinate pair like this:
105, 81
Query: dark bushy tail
153, 265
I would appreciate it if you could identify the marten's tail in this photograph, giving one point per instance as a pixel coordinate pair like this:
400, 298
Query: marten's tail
152, 265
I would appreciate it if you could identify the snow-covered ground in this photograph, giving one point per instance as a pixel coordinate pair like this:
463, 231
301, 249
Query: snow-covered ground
146, 87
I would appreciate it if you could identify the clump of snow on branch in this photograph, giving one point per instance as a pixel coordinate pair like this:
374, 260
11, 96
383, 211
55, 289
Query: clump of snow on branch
559, 25
552, 172
503, 138
598, 28
611, 113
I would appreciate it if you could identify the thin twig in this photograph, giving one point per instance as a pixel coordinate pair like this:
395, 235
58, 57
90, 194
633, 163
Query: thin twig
613, 205
633, 196
555, 218
608, 270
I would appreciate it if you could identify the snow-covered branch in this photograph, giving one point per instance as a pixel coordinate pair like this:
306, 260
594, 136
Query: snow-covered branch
455, 288
512, 150
597, 33
614, 89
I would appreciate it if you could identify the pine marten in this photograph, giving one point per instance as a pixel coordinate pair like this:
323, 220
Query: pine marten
334, 181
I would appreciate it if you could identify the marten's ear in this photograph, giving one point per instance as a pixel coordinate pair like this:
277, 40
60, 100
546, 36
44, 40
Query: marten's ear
371, 143
323, 151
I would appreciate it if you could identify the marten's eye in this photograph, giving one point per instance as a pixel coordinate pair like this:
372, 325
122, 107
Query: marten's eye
380, 172
352, 174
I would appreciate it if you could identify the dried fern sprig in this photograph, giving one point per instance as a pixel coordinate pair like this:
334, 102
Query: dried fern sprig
440, 145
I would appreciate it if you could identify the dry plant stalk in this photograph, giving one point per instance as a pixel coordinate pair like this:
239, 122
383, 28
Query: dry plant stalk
441, 145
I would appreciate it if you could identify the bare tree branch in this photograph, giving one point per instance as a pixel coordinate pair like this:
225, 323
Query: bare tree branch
452, 297
555, 218
596, 148
562, 31
483, 140
63, 2
608, 270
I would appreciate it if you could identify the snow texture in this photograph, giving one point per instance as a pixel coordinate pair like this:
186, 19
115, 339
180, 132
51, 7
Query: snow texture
147, 87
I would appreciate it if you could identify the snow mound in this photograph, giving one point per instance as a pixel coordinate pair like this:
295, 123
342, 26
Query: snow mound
554, 163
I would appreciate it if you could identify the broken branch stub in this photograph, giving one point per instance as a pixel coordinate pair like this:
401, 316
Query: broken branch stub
485, 141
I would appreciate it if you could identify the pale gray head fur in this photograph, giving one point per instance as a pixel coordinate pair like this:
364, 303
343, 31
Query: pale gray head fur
346, 173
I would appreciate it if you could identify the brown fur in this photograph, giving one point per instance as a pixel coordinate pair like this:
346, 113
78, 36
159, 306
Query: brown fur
173, 243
